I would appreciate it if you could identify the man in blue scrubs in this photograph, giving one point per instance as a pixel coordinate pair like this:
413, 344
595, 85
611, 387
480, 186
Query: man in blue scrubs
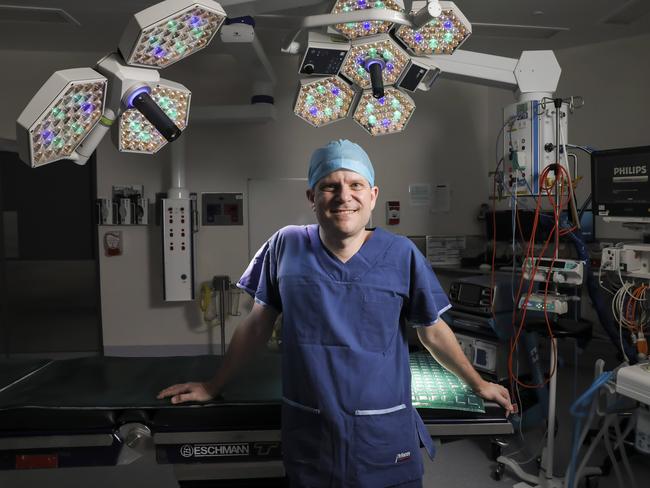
347, 295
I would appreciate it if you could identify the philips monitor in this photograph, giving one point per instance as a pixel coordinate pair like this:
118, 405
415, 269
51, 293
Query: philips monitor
620, 184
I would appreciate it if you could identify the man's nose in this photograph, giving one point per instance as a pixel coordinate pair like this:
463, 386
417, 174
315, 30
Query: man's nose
344, 193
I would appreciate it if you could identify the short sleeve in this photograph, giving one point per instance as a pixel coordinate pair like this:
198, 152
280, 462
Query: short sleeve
427, 300
260, 280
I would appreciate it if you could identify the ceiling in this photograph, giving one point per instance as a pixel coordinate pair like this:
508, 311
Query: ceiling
503, 27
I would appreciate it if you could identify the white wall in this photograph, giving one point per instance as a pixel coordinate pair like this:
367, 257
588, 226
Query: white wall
444, 142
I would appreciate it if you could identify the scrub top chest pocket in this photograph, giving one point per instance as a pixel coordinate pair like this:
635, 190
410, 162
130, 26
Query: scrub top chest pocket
380, 318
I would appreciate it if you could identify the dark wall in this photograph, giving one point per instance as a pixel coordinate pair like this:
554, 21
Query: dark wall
54, 208
49, 287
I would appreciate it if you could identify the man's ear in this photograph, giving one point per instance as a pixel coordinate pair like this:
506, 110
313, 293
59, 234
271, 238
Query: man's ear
310, 196
374, 191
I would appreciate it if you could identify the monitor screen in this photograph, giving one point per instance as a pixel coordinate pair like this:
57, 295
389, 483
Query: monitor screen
620, 182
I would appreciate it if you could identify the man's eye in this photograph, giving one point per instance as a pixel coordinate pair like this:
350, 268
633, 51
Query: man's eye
357, 186
327, 188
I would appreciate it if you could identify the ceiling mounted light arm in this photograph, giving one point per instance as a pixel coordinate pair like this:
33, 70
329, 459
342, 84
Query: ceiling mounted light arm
534, 75
291, 46
476, 67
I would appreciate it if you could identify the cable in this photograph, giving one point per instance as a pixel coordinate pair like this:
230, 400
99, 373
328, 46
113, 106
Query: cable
562, 174
583, 407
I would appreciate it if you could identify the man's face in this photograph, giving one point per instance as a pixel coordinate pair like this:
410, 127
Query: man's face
343, 201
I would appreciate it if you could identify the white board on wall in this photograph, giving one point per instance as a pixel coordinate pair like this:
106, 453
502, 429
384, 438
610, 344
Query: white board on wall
274, 203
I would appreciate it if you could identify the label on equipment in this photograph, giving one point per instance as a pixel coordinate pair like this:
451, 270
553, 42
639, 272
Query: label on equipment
217, 452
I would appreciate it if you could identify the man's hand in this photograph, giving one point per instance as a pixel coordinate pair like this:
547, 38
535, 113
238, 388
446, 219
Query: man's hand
188, 392
498, 394
249, 336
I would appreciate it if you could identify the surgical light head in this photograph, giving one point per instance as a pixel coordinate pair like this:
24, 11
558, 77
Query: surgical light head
355, 30
170, 103
375, 62
60, 116
442, 34
152, 111
165, 33
323, 101
386, 115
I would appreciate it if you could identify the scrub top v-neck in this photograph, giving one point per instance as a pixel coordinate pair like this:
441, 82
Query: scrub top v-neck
347, 417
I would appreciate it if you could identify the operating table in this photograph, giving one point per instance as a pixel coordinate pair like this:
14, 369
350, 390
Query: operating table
103, 411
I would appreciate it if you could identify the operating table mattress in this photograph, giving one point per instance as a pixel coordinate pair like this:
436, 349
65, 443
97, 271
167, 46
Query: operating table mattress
98, 393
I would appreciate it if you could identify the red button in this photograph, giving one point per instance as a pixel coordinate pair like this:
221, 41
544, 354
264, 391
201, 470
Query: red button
37, 461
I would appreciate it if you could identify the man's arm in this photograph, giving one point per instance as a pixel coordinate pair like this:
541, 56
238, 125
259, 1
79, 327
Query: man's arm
441, 342
249, 336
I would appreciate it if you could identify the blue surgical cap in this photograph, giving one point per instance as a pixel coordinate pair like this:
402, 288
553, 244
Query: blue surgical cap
336, 155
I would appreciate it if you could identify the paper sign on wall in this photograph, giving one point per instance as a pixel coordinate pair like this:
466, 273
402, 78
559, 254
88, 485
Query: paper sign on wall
441, 198
420, 194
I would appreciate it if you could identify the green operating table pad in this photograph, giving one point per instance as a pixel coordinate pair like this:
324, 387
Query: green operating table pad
432, 386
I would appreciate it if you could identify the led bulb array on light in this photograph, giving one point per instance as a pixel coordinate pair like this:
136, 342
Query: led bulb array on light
137, 134
354, 30
67, 123
47, 133
442, 35
154, 41
394, 59
324, 100
385, 115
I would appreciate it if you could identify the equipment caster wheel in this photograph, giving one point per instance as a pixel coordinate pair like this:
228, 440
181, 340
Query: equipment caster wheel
497, 474
496, 449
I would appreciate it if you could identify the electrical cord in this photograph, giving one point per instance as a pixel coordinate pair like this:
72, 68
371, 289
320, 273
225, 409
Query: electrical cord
563, 174
583, 407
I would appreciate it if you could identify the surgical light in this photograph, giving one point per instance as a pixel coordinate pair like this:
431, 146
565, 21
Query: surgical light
386, 115
60, 116
324, 100
354, 30
381, 51
170, 31
440, 35
137, 134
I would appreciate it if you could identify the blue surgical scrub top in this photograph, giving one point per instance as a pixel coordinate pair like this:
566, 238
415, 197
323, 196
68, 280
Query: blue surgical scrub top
347, 417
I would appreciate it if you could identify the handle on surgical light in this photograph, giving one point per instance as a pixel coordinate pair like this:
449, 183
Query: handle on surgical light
154, 114
374, 67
